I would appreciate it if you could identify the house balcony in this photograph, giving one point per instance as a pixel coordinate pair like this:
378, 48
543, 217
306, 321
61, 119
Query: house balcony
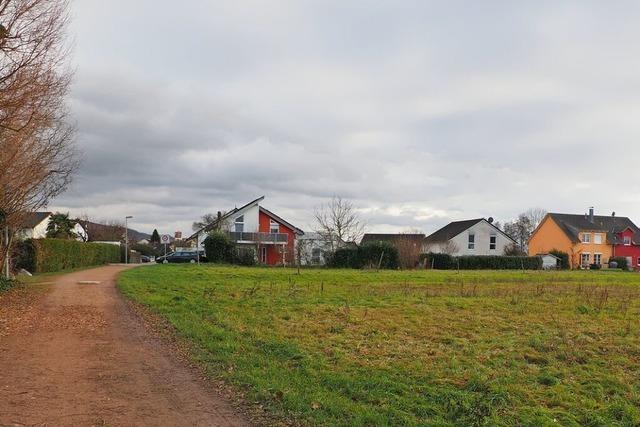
259, 238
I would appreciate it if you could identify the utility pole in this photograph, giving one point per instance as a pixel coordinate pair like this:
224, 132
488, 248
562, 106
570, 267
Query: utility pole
126, 239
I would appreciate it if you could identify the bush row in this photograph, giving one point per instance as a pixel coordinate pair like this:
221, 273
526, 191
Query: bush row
368, 255
51, 255
480, 262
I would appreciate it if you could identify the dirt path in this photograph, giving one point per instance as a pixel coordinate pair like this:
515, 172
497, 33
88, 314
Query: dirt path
80, 356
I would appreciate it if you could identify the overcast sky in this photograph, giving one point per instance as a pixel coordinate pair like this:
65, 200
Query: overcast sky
420, 112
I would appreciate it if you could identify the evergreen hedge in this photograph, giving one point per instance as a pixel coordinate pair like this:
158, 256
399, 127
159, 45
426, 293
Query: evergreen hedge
51, 255
481, 262
367, 255
622, 262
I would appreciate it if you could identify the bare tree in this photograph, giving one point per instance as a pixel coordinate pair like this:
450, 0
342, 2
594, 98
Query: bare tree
338, 222
409, 246
535, 215
521, 228
37, 155
205, 220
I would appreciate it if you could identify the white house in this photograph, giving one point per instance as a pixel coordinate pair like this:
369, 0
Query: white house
470, 237
36, 223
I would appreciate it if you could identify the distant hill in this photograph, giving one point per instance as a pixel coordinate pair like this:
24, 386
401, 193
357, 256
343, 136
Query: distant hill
111, 232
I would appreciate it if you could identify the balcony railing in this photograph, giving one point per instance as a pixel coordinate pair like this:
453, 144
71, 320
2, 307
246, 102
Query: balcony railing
259, 237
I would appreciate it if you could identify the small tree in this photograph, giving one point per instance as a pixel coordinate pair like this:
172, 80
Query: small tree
338, 223
155, 237
61, 227
409, 248
219, 247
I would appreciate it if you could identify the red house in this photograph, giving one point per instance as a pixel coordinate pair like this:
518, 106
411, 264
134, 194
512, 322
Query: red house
252, 226
627, 244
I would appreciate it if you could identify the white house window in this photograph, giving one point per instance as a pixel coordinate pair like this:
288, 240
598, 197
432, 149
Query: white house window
627, 240
239, 224
597, 239
472, 241
597, 259
315, 256
586, 258
586, 237
274, 227
492, 242
263, 255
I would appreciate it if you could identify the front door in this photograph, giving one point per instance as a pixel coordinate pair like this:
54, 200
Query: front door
263, 255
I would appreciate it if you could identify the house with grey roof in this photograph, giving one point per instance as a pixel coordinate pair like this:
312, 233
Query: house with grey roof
34, 226
469, 237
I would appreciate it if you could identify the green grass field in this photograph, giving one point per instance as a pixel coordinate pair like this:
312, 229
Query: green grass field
344, 347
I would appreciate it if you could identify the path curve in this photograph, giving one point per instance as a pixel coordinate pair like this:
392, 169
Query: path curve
83, 357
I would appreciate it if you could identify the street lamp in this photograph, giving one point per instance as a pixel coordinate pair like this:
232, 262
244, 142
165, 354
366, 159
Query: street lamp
126, 238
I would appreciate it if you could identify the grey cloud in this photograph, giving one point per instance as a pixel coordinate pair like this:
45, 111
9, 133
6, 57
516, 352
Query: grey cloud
421, 112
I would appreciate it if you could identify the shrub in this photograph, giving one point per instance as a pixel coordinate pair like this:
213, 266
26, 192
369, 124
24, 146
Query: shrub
621, 261
564, 258
245, 256
219, 247
482, 262
6, 284
51, 255
373, 254
367, 255
439, 261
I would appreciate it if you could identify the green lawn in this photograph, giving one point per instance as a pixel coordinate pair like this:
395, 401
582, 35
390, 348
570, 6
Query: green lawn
344, 347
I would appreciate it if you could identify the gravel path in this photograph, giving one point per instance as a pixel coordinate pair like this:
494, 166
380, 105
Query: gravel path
78, 355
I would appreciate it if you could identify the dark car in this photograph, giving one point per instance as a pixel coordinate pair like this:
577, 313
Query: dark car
145, 258
177, 257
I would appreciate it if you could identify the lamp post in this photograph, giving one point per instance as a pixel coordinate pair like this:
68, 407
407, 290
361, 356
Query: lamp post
126, 238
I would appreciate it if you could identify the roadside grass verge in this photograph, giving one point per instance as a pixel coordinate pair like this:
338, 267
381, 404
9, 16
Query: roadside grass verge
344, 347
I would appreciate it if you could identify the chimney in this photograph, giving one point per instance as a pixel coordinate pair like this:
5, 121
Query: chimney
219, 215
591, 214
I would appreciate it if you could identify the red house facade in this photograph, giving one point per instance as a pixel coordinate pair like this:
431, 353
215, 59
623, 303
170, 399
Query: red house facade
254, 227
627, 245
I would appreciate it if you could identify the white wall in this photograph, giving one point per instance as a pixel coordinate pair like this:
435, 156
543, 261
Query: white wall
251, 222
40, 230
482, 231
80, 231
251, 219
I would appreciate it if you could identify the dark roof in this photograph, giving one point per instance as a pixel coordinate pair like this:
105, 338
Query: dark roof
572, 225
392, 238
34, 218
451, 230
280, 220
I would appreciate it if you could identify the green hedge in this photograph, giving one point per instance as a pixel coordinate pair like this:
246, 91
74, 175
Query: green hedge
564, 258
51, 255
622, 262
480, 262
366, 255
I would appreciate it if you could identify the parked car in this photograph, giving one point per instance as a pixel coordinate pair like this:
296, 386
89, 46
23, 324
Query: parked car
178, 257
145, 259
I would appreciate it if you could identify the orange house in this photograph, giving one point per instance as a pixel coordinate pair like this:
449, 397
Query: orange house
588, 239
